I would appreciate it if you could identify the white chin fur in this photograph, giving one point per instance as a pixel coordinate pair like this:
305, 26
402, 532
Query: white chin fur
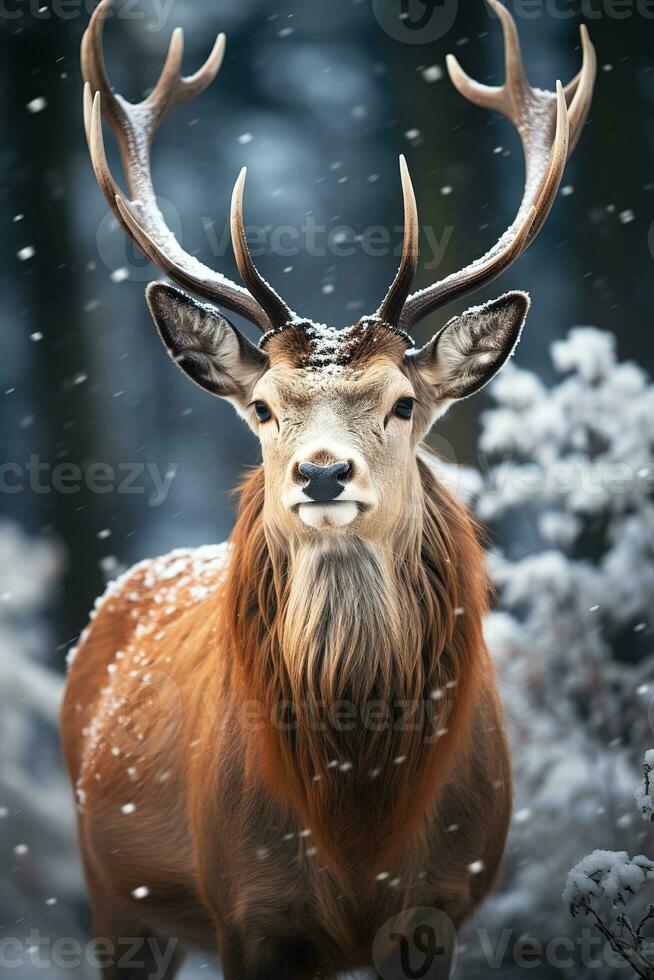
322, 516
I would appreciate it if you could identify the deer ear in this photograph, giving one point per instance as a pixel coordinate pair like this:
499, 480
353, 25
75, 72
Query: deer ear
472, 348
204, 345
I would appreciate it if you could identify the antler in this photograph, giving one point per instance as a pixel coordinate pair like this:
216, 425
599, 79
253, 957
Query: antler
135, 126
549, 125
391, 309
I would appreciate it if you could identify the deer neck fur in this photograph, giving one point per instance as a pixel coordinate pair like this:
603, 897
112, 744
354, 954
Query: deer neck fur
368, 662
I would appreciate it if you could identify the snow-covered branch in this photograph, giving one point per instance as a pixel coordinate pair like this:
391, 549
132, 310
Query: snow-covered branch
603, 884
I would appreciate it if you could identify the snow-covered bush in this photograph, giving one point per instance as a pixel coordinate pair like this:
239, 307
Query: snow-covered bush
567, 474
613, 878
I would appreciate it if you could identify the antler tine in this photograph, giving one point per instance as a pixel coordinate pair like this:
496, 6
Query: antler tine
572, 86
549, 125
135, 126
168, 83
195, 84
515, 78
391, 308
173, 88
579, 92
93, 65
485, 96
501, 98
558, 159
260, 289
95, 138
88, 109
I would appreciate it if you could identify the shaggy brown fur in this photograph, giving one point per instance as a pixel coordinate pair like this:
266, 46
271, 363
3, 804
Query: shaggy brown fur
361, 627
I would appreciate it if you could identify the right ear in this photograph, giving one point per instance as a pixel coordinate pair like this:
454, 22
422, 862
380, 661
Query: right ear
204, 345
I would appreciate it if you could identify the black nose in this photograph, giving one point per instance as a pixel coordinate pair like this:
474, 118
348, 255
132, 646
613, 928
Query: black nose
324, 481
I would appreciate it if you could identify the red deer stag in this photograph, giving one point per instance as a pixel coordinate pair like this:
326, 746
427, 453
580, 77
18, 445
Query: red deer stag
279, 744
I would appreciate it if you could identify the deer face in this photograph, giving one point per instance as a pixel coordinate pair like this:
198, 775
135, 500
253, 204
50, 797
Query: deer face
337, 448
339, 414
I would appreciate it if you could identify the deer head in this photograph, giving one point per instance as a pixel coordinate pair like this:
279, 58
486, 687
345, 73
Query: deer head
339, 413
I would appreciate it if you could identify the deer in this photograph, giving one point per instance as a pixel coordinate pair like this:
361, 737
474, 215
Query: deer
281, 744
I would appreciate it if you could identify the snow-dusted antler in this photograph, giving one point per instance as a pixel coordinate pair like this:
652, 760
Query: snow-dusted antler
549, 125
135, 126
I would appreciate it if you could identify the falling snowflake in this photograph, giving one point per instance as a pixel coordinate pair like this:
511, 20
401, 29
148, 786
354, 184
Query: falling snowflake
37, 105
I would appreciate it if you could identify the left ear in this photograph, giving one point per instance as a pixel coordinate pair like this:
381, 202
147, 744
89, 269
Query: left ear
472, 348
205, 345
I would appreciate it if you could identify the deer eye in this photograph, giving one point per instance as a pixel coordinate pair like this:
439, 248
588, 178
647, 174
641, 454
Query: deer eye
263, 412
404, 408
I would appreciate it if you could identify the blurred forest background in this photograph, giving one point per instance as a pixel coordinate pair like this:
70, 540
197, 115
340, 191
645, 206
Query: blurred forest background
318, 100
